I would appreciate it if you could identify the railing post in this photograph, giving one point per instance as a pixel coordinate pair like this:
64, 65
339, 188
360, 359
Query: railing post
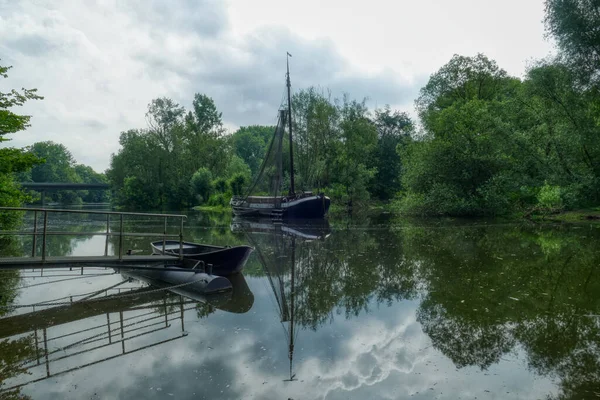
181, 313
44, 236
164, 236
107, 234
166, 312
181, 239
108, 324
122, 332
46, 353
37, 348
121, 239
34, 233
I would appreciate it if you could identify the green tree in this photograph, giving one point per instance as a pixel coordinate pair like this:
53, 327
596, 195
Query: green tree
201, 183
237, 183
464, 164
250, 143
574, 25
205, 144
564, 130
317, 136
59, 166
88, 175
394, 129
358, 140
13, 160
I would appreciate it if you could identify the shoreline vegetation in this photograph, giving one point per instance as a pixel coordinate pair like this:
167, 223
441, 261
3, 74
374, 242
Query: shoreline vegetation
486, 144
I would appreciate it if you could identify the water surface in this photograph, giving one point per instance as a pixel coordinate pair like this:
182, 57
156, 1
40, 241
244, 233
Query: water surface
375, 308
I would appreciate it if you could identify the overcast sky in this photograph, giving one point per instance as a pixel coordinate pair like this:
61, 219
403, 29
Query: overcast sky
99, 63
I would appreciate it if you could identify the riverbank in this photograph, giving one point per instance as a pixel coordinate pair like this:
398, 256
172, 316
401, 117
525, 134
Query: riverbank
588, 215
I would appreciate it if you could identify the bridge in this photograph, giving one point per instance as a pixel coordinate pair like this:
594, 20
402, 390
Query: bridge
44, 187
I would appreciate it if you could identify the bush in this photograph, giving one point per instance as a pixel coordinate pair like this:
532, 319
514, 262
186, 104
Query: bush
549, 198
221, 185
237, 183
201, 183
218, 200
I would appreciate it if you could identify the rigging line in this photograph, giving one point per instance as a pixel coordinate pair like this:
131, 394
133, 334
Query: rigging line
267, 272
264, 163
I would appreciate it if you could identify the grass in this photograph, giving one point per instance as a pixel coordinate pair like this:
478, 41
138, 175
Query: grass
219, 209
588, 214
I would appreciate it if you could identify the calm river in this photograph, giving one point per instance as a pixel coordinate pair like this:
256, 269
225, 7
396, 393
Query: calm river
374, 308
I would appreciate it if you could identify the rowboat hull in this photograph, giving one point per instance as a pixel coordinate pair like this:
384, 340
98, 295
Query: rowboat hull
217, 260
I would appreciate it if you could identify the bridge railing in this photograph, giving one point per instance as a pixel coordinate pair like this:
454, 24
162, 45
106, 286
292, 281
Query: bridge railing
121, 233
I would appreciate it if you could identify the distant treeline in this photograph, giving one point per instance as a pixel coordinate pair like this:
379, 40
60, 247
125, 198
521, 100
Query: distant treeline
58, 165
185, 158
486, 143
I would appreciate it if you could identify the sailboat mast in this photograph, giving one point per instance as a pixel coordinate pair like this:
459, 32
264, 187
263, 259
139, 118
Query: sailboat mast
289, 86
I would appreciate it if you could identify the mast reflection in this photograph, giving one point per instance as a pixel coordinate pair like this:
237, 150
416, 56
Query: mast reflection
284, 252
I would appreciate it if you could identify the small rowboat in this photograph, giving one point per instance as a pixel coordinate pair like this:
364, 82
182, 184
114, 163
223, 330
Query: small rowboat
216, 260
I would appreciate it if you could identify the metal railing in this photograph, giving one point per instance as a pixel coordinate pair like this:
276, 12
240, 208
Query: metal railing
121, 234
97, 339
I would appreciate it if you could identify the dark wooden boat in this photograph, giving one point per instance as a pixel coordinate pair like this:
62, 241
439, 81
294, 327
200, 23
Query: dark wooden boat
297, 206
217, 260
294, 205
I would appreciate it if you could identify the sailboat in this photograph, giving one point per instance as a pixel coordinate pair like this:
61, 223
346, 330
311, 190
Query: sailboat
276, 206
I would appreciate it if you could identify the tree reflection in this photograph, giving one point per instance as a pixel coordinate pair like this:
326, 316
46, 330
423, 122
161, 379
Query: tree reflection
9, 279
490, 289
14, 354
486, 290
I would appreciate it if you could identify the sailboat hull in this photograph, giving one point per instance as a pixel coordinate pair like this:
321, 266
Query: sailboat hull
283, 207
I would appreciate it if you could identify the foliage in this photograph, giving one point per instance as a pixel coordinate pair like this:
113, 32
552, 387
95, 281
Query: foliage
237, 166
221, 185
164, 156
12, 160
201, 184
60, 166
549, 198
574, 26
88, 175
394, 131
137, 195
237, 183
337, 143
316, 120
14, 355
492, 142
250, 144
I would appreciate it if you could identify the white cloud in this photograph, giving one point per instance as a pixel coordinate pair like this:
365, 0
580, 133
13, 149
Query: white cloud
99, 64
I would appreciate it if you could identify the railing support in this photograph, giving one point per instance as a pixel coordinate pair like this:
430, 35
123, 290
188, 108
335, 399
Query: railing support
164, 236
34, 234
121, 238
107, 234
181, 240
44, 236
121, 232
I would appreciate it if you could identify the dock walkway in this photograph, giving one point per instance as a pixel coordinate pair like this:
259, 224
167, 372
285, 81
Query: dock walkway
121, 259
